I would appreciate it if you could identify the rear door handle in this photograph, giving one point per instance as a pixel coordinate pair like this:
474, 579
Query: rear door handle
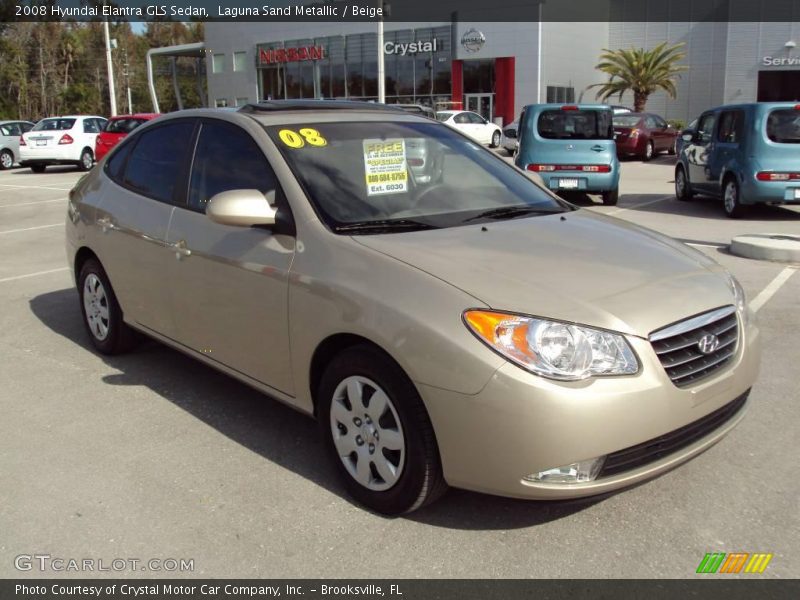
598, 148
180, 249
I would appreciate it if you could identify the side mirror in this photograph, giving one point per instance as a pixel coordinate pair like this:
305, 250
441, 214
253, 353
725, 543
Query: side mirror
687, 135
510, 134
242, 208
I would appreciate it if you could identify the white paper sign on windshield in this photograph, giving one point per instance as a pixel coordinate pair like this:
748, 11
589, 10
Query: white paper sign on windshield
385, 166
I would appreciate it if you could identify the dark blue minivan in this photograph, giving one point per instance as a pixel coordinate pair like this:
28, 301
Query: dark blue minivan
571, 146
744, 154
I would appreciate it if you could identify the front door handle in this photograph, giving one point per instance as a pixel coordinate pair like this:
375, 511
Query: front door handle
106, 224
180, 249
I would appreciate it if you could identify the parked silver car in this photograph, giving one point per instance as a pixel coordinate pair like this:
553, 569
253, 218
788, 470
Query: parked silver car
476, 331
10, 132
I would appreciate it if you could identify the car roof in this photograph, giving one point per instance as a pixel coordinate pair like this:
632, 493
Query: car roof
279, 112
136, 116
75, 117
559, 105
14, 121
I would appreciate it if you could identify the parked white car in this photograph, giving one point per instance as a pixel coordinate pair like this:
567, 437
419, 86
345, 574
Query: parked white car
10, 132
68, 140
473, 125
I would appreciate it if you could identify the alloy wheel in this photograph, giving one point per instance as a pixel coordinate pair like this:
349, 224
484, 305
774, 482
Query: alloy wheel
6, 160
95, 304
367, 433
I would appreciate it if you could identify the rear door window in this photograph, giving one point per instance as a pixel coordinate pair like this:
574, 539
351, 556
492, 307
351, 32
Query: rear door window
731, 123
562, 124
10, 129
156, 162
783, 126
90, 126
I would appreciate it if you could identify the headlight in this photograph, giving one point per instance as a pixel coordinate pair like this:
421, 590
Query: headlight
551, 348
739, 299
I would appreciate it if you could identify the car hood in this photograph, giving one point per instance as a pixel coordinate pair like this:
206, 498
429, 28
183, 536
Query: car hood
580, 267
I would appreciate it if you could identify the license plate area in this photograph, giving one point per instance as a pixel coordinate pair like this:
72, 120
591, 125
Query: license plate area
41, 142
797, 194
568, 184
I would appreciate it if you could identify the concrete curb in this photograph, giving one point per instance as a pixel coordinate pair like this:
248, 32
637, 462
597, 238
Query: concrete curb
767, 246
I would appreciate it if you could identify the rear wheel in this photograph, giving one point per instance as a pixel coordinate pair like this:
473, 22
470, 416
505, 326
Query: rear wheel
731, 199
38, 168
649, 151
6, 160
378, 432
495, 139
683, 191
611, 197
86, 161
102, 315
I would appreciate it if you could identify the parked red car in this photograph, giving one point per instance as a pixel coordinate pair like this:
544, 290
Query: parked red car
117, 128
643, 135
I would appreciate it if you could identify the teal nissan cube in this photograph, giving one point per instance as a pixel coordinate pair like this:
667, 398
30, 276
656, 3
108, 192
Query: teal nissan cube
744, 154
571, 146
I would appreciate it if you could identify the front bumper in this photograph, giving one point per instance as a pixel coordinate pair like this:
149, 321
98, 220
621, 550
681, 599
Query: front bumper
521, 424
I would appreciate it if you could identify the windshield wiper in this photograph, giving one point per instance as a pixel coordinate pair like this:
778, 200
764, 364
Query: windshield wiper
384, 225
509, 212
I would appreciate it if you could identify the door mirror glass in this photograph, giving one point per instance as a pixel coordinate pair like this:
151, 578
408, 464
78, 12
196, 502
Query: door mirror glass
242, 208
687, 136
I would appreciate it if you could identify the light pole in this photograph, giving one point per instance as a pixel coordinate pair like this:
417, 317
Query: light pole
381, 64
112, 97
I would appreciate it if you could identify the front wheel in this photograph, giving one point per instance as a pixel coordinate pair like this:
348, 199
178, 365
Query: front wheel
86, 161
732, 201
683, 191
378, 432
673, 149
495, 139
649, 151
102, 314
611, 197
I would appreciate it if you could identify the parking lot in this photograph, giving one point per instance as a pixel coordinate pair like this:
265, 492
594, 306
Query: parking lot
153, 455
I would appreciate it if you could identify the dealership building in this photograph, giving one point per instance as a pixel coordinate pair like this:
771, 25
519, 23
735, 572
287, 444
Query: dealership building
494, 68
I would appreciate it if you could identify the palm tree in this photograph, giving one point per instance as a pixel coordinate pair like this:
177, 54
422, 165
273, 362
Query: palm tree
641, 72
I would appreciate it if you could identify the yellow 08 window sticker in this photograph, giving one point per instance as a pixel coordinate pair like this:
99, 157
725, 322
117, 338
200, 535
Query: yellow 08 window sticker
295, 139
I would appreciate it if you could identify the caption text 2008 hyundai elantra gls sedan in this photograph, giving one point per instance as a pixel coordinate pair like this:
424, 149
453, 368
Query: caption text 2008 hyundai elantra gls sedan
446, 319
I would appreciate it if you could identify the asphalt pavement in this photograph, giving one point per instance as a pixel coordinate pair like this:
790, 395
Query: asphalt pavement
152, 455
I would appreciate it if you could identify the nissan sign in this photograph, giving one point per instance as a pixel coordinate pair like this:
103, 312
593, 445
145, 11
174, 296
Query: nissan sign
473, 40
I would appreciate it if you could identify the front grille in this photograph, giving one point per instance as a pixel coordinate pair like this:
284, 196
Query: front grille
678, 346
657, 448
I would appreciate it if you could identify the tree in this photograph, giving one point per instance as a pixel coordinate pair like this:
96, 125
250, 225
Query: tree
641, 72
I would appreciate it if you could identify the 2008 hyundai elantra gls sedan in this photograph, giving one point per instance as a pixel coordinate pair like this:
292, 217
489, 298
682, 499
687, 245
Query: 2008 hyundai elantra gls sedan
470, 330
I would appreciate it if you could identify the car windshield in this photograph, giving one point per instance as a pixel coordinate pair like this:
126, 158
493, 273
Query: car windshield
626, 121
441, 116
783, 126
123, 125
561, 124
396, 176
54, 125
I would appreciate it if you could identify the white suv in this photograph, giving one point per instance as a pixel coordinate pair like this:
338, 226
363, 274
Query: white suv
65, 140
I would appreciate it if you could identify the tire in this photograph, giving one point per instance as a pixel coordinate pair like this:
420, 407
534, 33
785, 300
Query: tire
683, 191
6, 160
673, 149
389, 462
731, 200
611, 198
102, 315
86, 161
38, 168
495, 139
649, 151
